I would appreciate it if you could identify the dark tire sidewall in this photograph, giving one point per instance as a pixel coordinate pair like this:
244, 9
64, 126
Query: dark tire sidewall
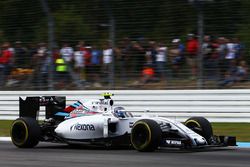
203, 124
152, 138
25, 132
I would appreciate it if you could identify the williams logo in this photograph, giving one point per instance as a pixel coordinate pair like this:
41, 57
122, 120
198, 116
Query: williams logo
84, 127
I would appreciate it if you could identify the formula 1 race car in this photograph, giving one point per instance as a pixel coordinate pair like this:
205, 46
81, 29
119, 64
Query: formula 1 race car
99, 122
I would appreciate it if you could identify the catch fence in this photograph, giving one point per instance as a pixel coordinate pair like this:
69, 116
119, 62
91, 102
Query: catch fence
124, 44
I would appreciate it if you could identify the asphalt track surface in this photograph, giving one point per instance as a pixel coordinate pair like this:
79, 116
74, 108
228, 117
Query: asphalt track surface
58, 155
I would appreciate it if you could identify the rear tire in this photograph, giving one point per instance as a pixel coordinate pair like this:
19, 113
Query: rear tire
25, 132
201, 126
146, 135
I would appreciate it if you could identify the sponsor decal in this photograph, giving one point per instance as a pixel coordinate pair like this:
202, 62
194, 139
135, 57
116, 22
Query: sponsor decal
173, 142
165, 126
131, 124
78, 111
101, 102
84, 127
44, 100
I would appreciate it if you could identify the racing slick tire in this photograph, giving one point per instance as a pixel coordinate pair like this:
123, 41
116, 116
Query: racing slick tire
146, 135
201, 126
25, 132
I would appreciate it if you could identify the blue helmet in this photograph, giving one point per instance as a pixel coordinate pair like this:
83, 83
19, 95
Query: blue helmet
120, 112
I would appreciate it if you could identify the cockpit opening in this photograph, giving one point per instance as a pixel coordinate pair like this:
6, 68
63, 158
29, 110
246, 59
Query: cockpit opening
120, 112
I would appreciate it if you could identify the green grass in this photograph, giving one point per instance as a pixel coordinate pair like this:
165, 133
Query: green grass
5, 127
240, 130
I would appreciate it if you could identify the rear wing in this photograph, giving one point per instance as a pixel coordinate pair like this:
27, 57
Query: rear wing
30, 106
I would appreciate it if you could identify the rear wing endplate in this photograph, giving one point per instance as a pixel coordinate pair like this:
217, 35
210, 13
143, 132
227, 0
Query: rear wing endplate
30, 106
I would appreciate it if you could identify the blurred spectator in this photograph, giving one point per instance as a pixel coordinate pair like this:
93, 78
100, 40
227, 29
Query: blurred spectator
192, 46
31, 52
79, 63
236, 73
222, 57
176, 56
230, 57
120, 59
148, 74
40, 56
222, 51
125, 58
137, 56
151, 53
45, 70
207, 47
82, 46
55, 53
238, 48
231, 50
40, 64
215, 60
161, 61
210, 57
230, 75
86, 49
11, 49
242, 71
5, 63
42, 50
67, 53
107, 60
96, 66
20, 55
87, 61
61, 72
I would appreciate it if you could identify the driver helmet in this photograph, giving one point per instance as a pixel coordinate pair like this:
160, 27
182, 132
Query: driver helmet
120, 112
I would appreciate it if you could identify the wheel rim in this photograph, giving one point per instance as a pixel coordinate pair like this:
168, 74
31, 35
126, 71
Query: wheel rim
19, 133
194, 126
140, 136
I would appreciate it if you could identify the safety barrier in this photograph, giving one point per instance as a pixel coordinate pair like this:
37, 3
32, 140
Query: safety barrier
216, 105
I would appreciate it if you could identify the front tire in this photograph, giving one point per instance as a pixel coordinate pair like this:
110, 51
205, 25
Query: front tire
201, 126
146, 135
25, 132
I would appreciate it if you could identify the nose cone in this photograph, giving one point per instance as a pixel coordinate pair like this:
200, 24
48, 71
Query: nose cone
200, 141
59, 131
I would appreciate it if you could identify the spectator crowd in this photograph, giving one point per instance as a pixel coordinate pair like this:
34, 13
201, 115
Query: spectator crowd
140, 60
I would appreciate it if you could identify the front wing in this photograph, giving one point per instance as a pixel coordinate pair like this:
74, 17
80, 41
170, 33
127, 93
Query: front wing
216, 141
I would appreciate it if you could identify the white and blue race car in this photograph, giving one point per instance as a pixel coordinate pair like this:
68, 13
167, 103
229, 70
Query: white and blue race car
99, 122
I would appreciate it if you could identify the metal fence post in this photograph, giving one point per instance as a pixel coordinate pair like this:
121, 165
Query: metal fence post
199, 5
51, 42
112, 40
111, 25
200, 81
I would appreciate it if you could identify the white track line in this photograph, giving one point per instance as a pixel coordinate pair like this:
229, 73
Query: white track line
5, 139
